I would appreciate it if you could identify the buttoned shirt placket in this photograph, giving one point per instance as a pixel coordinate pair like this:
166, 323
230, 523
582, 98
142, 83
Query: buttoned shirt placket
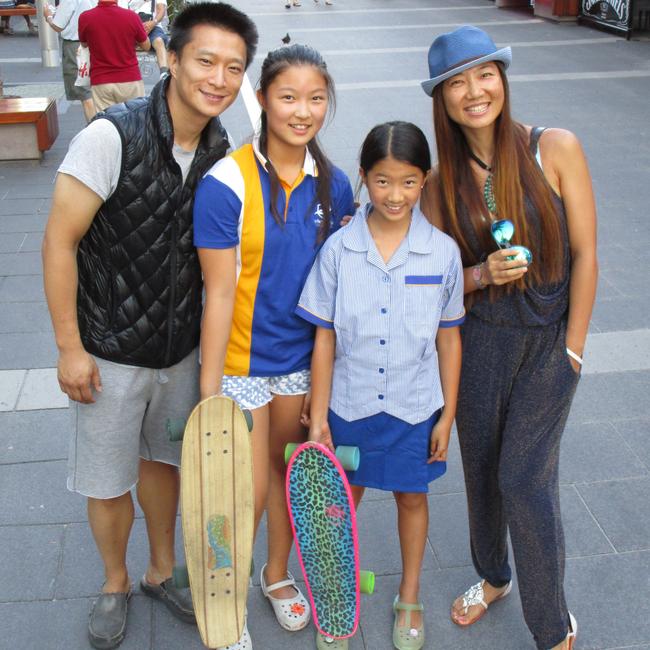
399, 258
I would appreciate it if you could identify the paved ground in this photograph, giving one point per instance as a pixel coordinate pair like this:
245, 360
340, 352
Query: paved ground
593, 83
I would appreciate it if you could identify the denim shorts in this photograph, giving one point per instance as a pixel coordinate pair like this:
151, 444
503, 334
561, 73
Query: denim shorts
255, 392
127, 422
158, 32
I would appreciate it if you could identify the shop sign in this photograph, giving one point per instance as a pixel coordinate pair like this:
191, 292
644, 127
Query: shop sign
612, 13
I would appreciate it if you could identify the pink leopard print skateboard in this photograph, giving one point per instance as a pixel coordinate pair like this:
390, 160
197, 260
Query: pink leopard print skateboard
324, 525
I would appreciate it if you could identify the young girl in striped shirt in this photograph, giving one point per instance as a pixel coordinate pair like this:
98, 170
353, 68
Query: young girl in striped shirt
386, 295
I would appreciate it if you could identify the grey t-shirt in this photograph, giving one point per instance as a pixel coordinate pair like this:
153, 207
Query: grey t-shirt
95, 158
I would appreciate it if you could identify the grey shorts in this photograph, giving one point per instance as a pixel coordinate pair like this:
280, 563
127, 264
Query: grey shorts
255, 392
69, 67
128, 422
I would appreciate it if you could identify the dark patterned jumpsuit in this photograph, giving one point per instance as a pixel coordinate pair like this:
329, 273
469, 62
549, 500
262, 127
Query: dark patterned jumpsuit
516, 389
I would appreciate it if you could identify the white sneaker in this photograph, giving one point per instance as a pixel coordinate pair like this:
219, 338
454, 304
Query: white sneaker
293, 614
244, 643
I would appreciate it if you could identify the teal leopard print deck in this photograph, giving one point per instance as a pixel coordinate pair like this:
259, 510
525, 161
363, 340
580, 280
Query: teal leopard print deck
325, 534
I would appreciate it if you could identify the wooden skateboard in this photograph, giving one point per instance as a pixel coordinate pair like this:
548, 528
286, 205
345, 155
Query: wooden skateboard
217, 512
323, 520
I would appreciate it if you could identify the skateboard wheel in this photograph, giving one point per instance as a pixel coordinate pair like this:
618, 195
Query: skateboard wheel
349, 457
288, 451
181, 578
249, 419
366, 582
175, 429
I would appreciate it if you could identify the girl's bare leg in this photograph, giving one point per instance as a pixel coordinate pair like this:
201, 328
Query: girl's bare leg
412, 524
260, 440
285, 427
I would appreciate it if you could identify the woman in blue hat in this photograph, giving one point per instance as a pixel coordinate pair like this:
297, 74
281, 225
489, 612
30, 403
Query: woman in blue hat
499, 182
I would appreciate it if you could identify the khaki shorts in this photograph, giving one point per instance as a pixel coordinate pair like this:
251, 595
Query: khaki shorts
128, 422
105, 95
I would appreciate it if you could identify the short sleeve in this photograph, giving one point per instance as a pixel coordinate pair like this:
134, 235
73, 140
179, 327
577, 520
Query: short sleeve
342, 199
318, 298
218, 206
63, 14
95, 157
81, 26
453, 310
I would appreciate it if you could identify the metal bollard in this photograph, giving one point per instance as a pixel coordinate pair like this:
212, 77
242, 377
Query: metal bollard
48, 39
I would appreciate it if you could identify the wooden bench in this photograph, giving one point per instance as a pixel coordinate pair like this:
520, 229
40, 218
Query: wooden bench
28, 127
20, 10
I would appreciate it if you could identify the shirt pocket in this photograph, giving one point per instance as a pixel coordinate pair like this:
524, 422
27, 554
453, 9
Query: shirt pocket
421, 299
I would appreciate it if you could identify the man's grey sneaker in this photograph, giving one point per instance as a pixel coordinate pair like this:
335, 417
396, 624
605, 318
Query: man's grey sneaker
107, 624
177, 601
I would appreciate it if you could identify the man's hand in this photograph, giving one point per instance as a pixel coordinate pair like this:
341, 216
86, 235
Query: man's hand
148, 25
78, 376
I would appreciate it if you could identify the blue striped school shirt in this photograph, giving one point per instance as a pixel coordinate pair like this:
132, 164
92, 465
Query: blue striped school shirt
386, 317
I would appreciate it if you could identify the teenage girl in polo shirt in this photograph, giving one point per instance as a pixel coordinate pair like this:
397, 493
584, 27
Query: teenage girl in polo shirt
386, 294
260, 217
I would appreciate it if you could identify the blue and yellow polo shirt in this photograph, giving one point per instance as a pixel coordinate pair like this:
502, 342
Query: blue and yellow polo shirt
232, 209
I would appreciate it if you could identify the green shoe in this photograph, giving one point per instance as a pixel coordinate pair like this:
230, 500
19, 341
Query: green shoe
327, 643
406, 637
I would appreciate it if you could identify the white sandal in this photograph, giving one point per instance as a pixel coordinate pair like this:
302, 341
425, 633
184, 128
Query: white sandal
476, 596
573, 632
244, 642
292, 613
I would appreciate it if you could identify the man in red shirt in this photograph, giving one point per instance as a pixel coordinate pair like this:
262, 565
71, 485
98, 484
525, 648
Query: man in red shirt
111, 33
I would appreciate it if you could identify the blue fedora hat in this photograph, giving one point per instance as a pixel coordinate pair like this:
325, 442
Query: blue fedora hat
465, 47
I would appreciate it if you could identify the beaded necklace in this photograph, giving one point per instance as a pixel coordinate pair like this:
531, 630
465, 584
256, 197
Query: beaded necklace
488, 191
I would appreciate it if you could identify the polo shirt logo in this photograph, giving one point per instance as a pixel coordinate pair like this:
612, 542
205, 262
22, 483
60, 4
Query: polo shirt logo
318, 214
423, 279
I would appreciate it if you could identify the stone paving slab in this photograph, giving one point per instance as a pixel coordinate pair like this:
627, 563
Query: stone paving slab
20, 264
622, 509
30, 436
22, 288
583, 457
27, 350
10, 383
63, 624
611, 396
11, 243
35, 493
29, 562
637, 435
25, 317
606, 593
81, 572
32, 242
41, 391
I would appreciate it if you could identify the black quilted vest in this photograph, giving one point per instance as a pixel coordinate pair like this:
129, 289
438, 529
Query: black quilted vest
139, 298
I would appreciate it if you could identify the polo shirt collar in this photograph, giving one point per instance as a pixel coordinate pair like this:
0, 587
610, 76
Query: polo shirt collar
308, 167
357, 236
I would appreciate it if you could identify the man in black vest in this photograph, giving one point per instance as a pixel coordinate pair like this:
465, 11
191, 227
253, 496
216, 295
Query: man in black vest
123, 285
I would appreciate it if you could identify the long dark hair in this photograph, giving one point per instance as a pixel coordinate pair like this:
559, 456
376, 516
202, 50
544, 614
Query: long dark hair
516, 174
274, 64
402, 141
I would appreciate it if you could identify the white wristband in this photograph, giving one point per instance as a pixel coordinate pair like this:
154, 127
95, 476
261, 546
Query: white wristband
574, 356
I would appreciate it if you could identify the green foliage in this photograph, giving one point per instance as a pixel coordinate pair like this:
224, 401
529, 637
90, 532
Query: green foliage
174, 7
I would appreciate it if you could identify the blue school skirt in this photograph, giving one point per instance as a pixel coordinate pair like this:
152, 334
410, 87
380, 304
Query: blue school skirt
394, 453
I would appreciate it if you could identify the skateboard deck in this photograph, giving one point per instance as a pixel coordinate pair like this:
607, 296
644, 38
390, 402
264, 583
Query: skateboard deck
324, 525
217, 511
